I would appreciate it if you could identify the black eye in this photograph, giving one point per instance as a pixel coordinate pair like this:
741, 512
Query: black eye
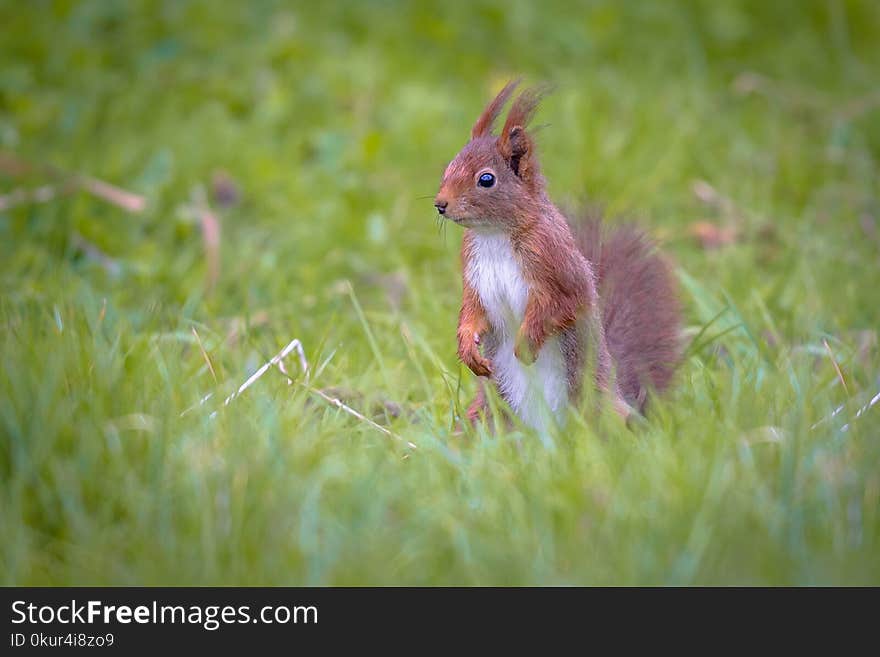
486, 180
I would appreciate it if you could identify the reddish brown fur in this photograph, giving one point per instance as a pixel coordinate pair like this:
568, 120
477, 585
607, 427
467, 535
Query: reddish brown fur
641, 312
471, 324
561, 287
633, 331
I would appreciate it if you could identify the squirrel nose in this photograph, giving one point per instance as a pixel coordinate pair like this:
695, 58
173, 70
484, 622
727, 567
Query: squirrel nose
441, 206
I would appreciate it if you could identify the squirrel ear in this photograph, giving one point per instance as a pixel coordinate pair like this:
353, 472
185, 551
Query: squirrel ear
515, 145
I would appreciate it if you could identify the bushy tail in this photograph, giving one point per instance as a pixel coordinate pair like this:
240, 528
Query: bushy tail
641, 314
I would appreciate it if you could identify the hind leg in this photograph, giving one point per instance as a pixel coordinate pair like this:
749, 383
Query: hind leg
480, 406
476, 412
479, 411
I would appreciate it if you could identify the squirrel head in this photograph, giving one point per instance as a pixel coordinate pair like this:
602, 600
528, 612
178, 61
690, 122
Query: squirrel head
495, 181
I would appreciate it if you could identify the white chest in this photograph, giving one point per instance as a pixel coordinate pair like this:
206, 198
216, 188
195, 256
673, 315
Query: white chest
537, 392
495, 274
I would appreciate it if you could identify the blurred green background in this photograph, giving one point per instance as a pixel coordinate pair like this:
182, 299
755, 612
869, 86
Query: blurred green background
744, 136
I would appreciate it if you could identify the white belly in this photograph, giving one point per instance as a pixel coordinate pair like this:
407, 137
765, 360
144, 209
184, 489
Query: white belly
537, 393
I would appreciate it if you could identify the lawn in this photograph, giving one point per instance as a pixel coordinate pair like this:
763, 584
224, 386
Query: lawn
273, 167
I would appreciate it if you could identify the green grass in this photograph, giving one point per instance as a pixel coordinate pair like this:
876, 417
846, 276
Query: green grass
335, 126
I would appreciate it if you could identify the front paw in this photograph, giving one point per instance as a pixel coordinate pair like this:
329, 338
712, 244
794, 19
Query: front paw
469, 353
478, 364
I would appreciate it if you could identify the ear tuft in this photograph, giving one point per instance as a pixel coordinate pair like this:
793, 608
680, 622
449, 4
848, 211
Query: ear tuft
523, 109
514, 143
484, 124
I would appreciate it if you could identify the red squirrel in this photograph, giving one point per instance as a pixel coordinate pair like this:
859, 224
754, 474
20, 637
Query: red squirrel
543, 298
